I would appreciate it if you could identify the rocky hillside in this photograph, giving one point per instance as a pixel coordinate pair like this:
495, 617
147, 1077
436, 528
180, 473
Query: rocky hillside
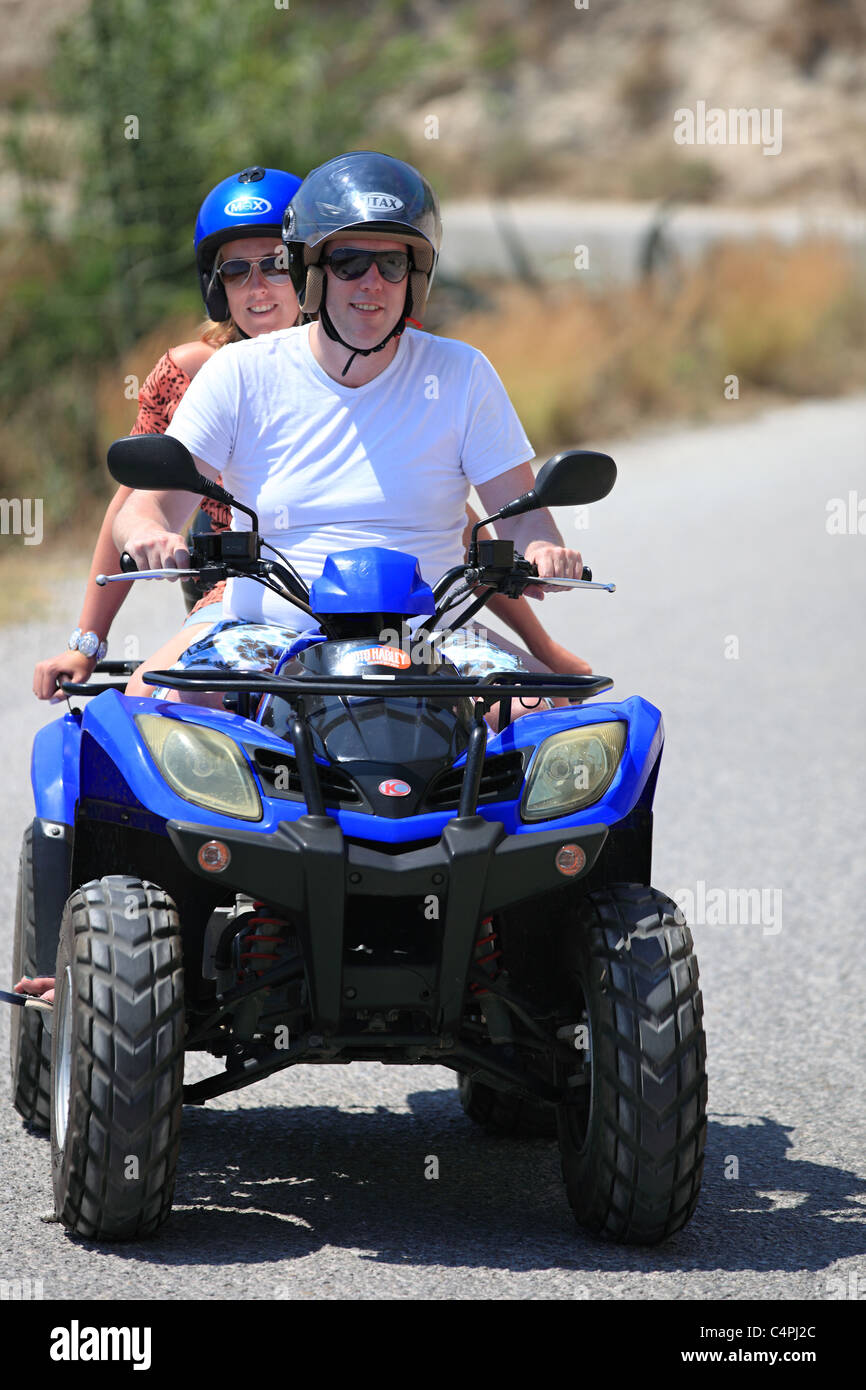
582, 99
579, 97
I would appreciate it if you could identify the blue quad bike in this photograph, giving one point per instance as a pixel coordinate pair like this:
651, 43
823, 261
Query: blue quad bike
345, 863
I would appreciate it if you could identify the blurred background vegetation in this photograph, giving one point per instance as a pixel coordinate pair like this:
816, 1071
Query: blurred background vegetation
530, 101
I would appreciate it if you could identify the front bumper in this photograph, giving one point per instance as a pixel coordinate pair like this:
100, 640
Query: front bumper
309, 869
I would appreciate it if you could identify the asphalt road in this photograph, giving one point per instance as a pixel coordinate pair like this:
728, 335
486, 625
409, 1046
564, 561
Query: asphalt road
504, 238
312, 1184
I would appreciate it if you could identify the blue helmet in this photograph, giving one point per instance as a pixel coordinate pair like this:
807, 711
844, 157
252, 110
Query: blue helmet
248, 204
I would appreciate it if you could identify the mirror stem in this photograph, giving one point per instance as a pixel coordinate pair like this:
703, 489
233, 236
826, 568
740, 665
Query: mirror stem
526, 503
219, 494
472, 555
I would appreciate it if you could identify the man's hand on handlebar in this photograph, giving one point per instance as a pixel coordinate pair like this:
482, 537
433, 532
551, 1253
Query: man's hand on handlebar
552, 561
158, 549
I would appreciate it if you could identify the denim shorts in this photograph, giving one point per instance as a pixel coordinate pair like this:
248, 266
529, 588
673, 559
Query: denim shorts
211, 613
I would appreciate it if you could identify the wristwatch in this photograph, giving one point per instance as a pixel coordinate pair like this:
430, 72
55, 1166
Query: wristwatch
88, 643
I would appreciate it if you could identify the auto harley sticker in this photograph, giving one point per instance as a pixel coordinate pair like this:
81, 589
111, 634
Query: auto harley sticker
383, 656
394, 787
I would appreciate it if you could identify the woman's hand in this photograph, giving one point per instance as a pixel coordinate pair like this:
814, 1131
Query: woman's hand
68, 666
40, 988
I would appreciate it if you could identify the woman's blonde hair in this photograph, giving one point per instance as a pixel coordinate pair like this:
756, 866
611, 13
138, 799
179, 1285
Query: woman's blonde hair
218, 334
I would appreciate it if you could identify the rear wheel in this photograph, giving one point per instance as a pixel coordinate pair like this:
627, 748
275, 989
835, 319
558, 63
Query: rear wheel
117, 1059
30, 1040
504, 1113
632, 1132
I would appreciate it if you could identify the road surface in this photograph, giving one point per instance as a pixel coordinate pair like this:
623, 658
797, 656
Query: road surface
741, 617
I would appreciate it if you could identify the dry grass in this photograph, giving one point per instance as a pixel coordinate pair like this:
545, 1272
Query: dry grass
578, 364
32, 576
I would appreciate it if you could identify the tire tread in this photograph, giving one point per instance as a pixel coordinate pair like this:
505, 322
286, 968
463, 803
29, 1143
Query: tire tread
642, 1181
126, 1092
31, 1077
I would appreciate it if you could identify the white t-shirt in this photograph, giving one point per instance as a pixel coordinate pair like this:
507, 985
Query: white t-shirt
329, 467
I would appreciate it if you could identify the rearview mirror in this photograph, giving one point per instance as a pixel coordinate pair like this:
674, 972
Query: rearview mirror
155, 463
158, 463
571, 479
574, 479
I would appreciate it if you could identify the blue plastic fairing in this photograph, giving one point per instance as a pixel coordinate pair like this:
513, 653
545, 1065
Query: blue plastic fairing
122, 770
54, 769
371, 579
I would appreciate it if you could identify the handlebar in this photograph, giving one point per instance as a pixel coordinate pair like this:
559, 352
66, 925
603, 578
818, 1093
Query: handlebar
510, 578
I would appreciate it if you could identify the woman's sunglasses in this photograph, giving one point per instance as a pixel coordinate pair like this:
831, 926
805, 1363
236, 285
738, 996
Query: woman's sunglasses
238, 271
349, 264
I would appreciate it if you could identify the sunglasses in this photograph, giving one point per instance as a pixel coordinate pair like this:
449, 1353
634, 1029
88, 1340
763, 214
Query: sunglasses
349, 264
238, 271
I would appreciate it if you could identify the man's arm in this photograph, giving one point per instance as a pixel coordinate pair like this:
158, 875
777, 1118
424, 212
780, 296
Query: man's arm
149, 525
534, 533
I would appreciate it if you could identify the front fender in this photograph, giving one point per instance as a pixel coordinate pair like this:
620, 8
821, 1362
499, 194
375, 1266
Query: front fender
54, 769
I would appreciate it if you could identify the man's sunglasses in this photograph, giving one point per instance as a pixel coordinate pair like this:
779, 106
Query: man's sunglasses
349, 264
238, 271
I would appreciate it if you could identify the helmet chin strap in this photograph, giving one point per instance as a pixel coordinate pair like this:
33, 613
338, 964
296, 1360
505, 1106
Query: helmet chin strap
328, 325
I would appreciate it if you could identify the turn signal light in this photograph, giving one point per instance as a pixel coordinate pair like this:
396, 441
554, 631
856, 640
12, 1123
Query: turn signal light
214, 856
570, 860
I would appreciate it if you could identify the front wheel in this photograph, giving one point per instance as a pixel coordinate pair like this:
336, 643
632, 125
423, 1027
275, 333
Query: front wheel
117, 1060
632, 1132
30, 1040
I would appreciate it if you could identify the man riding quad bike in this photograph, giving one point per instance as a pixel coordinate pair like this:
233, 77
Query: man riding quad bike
333, 854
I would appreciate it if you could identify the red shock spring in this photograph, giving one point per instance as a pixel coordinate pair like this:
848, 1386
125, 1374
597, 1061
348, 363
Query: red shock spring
487, 953
254, 938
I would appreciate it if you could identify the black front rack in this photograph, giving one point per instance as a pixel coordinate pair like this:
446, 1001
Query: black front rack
491, 689
495, 687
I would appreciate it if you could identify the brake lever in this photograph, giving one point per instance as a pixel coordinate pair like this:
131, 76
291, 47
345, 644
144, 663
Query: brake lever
103, 579
579, 584
530, 569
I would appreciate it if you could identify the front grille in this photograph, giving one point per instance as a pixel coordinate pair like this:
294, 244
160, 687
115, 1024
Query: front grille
280, 777
501, 780
393, 847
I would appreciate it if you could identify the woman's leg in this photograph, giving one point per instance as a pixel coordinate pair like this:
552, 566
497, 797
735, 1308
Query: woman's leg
230, 644
167, 655
474, 651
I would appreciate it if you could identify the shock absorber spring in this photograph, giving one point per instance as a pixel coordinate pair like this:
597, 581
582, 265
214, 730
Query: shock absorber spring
494, 1012
262, 931
486, 954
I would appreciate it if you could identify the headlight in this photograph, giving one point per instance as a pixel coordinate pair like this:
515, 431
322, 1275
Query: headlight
202, 766
572, 770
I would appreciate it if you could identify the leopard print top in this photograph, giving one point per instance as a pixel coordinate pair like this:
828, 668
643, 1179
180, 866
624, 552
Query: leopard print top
158, 399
